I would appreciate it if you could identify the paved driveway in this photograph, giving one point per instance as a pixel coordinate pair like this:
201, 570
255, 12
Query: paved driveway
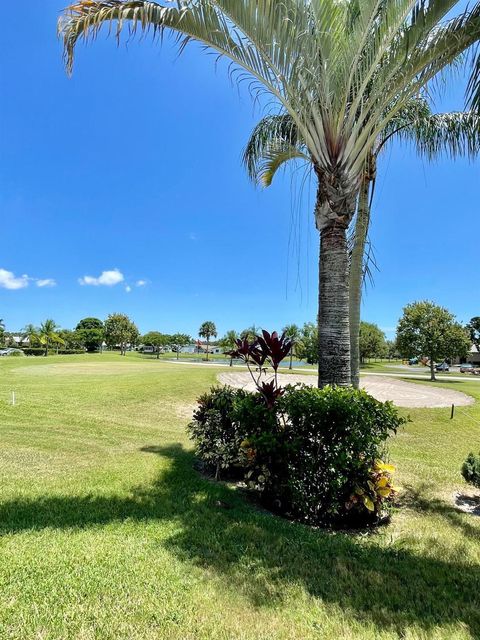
403, 394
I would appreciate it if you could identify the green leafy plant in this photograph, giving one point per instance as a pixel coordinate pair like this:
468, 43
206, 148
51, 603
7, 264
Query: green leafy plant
376, 492
471, 469
217, 437
336, 436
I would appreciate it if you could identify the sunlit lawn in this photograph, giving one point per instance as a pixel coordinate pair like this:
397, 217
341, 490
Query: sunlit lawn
107, 531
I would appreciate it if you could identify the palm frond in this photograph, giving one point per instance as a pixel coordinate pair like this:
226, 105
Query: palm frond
276, 134
473, 87
275, 157
342, 70
452, 134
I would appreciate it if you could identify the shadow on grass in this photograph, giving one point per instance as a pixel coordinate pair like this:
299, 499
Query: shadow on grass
414, 498
261, 556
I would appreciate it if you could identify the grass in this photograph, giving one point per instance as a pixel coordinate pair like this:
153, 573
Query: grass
107, 532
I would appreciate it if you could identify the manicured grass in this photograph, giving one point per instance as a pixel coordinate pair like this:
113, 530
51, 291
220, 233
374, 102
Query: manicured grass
108, 532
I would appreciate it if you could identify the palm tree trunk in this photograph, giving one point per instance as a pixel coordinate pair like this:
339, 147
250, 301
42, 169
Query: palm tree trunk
333, 320
356, 278
291, 358
207, 346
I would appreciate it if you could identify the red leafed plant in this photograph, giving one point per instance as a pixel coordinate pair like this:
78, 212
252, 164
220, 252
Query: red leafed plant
266, 349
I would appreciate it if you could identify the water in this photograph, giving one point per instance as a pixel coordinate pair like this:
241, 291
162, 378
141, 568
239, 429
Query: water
226, 361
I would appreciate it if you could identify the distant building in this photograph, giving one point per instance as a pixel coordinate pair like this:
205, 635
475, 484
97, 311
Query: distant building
201, 348
473, 357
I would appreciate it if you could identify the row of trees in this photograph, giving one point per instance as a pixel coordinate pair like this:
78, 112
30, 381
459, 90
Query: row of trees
90, 334
425, 329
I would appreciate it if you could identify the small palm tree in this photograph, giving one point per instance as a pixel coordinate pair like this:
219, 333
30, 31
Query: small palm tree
48, 334
208, 330
31, 332
250, 333
229, 342
294, 334
342, 70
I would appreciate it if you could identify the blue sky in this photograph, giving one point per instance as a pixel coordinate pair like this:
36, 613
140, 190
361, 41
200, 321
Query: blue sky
132, 169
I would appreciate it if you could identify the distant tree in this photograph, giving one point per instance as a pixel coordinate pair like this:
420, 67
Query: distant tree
392, 351
48, 334
31, 332
91, 333
372, 341
156, 340
228, 342
307, 347
178, 341
250, 333
294, 334
427, 329
2, 332
120, 331
473, 328
208, 330
71, 339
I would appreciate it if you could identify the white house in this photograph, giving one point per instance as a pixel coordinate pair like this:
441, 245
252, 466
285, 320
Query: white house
201, 347
473, 355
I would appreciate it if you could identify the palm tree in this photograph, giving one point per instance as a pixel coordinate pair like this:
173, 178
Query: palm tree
294, 334
250, 333
341, 69
48, 334
208, 330
276, 140
229, 342
30, 331
453, 134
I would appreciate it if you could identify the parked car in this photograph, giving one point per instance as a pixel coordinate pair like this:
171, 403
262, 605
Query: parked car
413, 361
9, 351
444, 366
467, 368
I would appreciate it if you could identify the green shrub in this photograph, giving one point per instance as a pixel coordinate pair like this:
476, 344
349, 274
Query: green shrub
264, 451
40, 351
314, 454
471, 470
336, 436
216, 436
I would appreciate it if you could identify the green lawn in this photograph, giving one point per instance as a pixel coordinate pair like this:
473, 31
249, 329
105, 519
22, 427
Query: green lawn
108, 532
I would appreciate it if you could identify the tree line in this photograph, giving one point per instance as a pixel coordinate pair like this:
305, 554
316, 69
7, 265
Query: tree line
424, 330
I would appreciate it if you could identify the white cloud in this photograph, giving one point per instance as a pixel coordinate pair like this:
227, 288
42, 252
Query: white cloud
128, 288
8, 280
193, 237
106, 278
141, 283
46, 282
